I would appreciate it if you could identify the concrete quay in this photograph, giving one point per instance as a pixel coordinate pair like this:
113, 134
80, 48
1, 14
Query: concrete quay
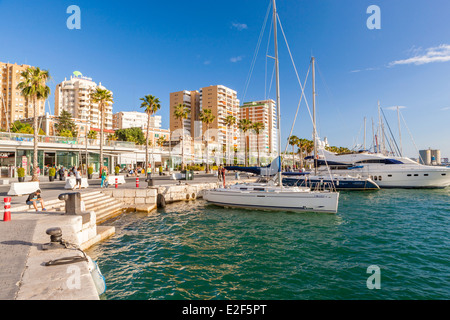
23, 273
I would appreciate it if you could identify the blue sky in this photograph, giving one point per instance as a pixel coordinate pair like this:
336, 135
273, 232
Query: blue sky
156, 47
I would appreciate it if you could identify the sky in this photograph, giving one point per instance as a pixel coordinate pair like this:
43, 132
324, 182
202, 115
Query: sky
136, 48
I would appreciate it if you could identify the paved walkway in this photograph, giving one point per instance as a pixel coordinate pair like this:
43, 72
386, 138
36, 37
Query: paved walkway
16, 236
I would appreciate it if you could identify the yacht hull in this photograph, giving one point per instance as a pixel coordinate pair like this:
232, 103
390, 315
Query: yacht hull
292, 201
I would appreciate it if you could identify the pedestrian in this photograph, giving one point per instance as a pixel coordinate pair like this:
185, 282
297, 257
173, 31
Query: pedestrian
61, 173
219, 173
33, 198
149, 172
104, 178
77, 175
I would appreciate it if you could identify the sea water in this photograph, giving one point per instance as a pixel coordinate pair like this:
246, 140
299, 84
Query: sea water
193, 250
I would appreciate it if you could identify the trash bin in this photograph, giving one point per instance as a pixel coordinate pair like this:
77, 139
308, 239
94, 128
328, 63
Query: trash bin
187, 175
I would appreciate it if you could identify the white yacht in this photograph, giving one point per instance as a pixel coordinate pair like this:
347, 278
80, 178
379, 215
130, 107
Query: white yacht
270, 195
387, 172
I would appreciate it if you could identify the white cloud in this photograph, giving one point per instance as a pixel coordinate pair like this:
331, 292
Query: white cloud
207, 62
366, 69
445, 109
239, 26
395, 108
236, 59
434, 54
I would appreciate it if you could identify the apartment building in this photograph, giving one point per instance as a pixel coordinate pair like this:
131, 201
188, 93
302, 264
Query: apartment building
222, 102
263, 111
192, 124
73, 95
135, 119
12, 104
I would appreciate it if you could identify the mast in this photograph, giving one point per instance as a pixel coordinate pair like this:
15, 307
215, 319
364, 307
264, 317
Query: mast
314, 112
379, 128
364, 133
280, 181
399, 132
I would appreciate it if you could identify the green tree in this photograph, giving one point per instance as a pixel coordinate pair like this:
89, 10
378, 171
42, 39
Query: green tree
244, 126
102, 97
258, 127
181, 112
131, 134
207, 118
150, 104
65, 123
34, 88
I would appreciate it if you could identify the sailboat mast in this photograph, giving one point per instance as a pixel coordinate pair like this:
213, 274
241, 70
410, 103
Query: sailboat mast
314, 112
364, 133
280, 181
399, 132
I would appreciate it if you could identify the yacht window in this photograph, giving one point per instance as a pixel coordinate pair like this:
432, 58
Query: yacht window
426, 174
375, 178
389, 175
408, 175
243, 188
443, 174
416, 175
380, 178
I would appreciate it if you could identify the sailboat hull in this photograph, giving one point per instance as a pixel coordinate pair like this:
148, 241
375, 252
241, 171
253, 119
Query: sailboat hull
275, 200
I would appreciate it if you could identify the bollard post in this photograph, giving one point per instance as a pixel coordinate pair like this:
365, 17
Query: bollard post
137, 182
116, 183
7, 214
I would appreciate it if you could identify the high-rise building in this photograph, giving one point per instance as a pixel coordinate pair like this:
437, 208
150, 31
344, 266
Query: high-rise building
265, 112
135, 119
12, 104
222, 102
73, 95
191, 99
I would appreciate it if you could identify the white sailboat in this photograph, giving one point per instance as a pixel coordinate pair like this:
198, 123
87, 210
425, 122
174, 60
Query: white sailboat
274, 196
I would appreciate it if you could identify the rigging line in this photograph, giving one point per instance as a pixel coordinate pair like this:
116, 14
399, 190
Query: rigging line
296, 73
256, 51
392, 136
296, 113
267, 53
410, 135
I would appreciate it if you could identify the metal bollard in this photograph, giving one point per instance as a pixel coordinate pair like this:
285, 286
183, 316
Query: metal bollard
7, 214
73, 202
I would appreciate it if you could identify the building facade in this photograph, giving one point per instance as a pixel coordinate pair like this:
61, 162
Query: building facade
13, 106
73, 95
135, 119
263, 111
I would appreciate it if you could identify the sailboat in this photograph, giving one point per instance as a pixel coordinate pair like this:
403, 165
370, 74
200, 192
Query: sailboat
273, 195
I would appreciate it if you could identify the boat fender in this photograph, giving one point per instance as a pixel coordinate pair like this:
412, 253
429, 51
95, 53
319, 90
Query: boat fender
97, 277
160, 201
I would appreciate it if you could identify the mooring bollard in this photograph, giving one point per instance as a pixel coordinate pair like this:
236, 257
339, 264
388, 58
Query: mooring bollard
7, 214
137, 182
116, 183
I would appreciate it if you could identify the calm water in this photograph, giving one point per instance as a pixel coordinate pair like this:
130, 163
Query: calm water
192, 250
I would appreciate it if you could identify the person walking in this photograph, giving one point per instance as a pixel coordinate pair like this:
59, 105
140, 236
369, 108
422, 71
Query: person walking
77, 175
104, 177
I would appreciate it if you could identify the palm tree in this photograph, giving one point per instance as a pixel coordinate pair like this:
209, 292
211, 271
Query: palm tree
102, 97
34, 87
207, 118
301, 144
245, 125
151, 104
258, 127
229, 121
181, 112
293, 141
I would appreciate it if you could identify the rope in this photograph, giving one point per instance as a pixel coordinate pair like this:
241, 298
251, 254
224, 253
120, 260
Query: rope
68, 260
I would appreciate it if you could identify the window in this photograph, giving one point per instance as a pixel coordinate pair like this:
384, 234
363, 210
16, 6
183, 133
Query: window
416, 175
443, 174
426, 174
389, 175
408, 175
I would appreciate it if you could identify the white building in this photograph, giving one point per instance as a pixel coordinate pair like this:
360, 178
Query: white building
73, 95
135, 119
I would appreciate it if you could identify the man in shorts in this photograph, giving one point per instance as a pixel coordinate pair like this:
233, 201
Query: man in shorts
33, 198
